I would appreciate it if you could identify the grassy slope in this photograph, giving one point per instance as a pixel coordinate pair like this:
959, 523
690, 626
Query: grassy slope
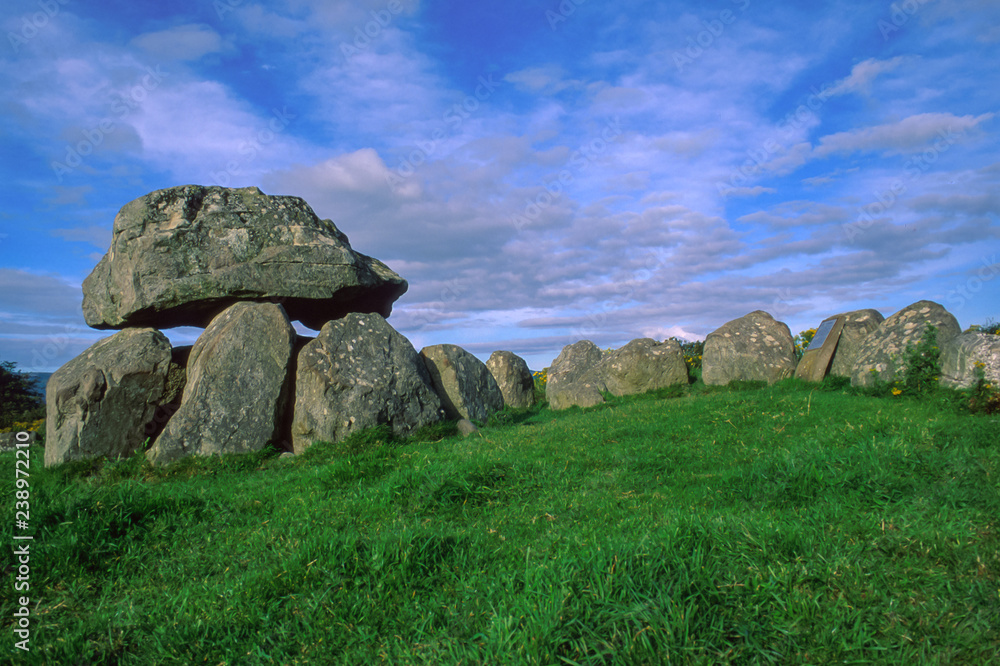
776, 524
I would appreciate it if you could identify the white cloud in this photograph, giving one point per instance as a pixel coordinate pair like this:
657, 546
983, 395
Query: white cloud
912, 134
183, 42
863, 75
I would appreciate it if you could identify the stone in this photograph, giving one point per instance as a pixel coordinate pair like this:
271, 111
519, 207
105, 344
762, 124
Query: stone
884, 349
466, 427
182, 255
513, 377
359, 373
572, 380
238, 387
100, 403
464, 384
643, 365
857, 325
754, 347
10, 440
959, 357
173, 392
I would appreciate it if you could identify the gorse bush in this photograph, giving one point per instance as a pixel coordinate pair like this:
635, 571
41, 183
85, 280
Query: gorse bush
922, 365
20, 406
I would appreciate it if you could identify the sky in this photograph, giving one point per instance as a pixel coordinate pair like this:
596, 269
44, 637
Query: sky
539, 172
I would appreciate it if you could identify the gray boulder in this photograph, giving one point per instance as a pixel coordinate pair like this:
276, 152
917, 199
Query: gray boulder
99, 403
238, 386
572, 377
358, 373
643, 365
513, 377
9, 440
464, 384
959, 357
884, 349
180, 256
857, 325
754, 347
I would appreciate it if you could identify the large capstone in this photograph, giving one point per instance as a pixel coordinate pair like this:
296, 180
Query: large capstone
238, 388
182, 255
754, 347
359, 373
101, 402
882, 355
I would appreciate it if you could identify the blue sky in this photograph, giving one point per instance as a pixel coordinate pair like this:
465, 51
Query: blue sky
540, 172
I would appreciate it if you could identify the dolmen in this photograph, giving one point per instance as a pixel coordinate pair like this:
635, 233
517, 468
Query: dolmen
244, 265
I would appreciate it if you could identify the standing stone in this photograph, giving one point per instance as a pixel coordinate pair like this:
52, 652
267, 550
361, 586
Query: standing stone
857, 326
358, 373
754, 347
464, 384
180, 256
238, 386
513, 377
960, 355
884, 349
99, 403
571, 377
644, 365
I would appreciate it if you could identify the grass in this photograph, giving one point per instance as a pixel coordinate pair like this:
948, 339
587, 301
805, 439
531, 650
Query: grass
745, 524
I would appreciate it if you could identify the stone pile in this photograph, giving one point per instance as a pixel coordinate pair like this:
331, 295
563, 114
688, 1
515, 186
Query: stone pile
244, 265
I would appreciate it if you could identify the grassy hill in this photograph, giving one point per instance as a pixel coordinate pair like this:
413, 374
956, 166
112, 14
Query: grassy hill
750, 524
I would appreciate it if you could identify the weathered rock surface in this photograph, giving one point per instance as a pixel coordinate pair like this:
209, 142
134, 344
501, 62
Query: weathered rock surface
572, 380
464, 384
513, 377
754, 347
180, 256
10, 440
238, 386
884, 349
643, 365
960, 354
99, 403
358, 373
857, 325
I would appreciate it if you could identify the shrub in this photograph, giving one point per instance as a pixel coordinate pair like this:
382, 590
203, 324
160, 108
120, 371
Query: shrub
20, 407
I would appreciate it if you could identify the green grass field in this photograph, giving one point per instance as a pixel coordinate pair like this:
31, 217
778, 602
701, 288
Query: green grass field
783, 524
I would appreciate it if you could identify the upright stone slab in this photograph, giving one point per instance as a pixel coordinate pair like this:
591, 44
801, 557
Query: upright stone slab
180, 256
857, 326
359, 373
884, 349
754, 347
99, 403
959, 357
572, 380
643, 365
464, 384
513, 377
238, 388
